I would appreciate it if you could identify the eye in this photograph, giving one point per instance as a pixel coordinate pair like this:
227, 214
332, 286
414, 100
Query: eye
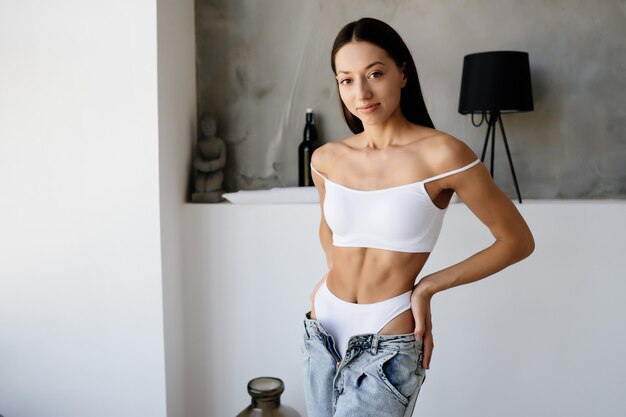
376, 74
345, 81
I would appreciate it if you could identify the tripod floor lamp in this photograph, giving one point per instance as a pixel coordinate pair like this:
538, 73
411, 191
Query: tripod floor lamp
494, 83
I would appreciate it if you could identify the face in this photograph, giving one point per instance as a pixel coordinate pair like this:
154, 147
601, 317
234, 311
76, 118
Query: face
369, 82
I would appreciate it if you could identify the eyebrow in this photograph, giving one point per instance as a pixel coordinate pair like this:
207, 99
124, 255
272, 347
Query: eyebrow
367, 67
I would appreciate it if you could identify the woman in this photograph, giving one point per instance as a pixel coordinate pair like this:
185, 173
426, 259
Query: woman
383, 194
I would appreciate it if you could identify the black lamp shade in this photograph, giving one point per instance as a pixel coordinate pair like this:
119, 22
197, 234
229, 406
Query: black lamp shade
496, 81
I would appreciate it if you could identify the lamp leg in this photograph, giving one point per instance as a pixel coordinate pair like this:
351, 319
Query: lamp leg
492, 122
482, 157
491, 129
508, 154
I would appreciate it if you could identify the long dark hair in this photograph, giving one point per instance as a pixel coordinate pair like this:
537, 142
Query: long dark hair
384, 36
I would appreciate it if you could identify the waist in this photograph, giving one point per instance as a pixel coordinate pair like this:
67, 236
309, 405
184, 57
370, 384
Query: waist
314, 328
367, 308
365, 275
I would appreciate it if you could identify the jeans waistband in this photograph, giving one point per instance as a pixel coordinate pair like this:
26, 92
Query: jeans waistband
366, 341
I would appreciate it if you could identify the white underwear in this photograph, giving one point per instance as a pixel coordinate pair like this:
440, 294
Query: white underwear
343, 319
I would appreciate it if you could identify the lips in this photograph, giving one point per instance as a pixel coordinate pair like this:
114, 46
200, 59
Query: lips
369, 108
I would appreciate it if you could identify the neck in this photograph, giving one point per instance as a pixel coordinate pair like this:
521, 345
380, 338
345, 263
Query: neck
389, 133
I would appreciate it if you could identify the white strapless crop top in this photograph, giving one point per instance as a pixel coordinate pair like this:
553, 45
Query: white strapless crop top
401, 218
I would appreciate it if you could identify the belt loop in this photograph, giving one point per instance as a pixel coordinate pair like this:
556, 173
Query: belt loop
374, 348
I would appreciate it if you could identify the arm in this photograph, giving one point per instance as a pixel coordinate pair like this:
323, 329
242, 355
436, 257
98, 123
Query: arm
326, 239
326, 235
513, 239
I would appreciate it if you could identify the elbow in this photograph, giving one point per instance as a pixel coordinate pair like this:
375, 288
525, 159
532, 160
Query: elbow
519, 246
526, 246
530, 248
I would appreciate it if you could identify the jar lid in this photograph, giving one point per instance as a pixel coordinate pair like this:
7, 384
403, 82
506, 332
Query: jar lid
265, 387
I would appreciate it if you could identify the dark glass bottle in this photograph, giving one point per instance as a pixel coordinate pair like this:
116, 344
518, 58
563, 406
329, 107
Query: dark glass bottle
309, 143
265, 393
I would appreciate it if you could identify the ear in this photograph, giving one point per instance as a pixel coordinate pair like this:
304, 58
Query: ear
404, 76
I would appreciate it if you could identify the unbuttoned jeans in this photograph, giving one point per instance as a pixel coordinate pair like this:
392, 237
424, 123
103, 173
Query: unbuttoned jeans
379, 376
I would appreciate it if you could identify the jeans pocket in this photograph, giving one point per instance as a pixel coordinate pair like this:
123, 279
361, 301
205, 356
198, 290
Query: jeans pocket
398, 370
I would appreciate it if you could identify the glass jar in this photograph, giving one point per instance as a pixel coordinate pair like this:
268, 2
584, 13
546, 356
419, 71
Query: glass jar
265, 392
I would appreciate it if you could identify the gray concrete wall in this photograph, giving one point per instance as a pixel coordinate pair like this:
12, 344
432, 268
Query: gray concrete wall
262, 63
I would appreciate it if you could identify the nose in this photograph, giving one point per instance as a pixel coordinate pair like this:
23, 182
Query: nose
363, 90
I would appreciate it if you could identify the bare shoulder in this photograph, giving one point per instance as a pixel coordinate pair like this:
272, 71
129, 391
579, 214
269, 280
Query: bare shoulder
444, 152
324, 156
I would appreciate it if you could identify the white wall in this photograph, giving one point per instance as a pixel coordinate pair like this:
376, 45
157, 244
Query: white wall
81, 326
543, 337
177, 130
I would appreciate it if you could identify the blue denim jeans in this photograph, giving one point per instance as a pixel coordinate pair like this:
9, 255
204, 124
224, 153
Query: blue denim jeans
379, 376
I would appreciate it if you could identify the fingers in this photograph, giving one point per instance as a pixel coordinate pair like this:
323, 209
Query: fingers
423, 327
428, 342
419, 316
428, 350
422, 320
